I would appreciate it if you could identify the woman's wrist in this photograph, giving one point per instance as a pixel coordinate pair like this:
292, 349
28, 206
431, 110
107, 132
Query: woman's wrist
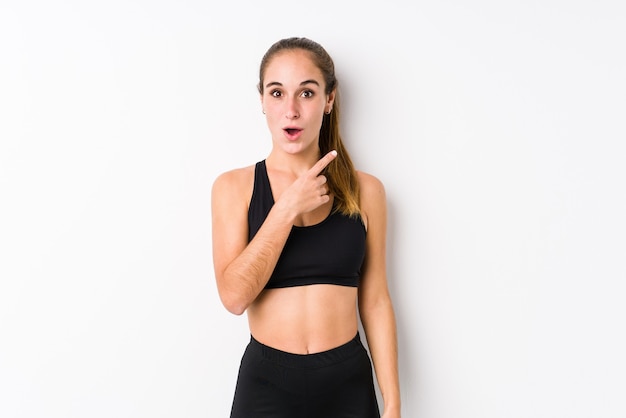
283, 212
392, 410
391, 405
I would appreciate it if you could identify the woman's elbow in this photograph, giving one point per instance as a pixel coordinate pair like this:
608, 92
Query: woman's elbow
235, 293
376, 306
233, 305
233, 302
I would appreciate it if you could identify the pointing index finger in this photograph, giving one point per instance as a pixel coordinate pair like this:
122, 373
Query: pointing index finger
323, 162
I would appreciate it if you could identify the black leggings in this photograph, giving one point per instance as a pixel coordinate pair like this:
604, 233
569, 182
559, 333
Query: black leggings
337, 383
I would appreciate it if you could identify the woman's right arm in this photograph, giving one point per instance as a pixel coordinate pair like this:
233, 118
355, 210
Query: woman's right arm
242, 269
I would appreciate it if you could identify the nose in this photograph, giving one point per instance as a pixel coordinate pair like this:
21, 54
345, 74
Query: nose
292, 111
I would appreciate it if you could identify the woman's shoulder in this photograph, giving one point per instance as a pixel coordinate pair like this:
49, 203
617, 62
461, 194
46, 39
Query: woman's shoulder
237, 180
370, 185
372, 199
236, 175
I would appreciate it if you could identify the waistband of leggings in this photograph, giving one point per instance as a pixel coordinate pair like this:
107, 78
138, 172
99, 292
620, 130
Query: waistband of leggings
308, 361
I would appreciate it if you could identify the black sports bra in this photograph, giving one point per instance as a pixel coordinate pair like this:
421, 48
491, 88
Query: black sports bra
330, 252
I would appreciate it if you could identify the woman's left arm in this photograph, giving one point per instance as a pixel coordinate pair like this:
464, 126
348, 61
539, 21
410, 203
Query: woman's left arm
375, 306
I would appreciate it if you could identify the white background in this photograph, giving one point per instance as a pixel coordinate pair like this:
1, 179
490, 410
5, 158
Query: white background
497, 128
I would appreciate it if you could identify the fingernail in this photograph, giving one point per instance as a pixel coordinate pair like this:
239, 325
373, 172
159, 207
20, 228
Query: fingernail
334, 152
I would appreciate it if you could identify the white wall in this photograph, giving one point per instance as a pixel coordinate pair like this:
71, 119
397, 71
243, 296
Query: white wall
497, 128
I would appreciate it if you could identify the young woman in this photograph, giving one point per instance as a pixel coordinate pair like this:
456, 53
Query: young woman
298, 244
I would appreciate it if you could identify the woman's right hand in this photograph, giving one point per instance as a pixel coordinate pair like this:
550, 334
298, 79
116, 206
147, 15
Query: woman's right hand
309, 191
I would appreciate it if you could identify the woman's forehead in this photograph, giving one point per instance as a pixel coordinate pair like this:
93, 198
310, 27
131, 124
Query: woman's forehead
292, 66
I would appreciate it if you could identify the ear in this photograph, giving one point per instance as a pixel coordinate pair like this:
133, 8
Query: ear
330, 99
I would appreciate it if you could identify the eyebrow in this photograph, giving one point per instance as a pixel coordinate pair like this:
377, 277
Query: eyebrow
305, 82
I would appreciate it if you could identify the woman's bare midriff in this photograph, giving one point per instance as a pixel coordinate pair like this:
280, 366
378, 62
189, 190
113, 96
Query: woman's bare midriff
304, 319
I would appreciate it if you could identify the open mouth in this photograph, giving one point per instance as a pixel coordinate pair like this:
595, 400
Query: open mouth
292, 131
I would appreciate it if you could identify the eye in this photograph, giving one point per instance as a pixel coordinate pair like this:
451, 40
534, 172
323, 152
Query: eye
307, 94
275, 93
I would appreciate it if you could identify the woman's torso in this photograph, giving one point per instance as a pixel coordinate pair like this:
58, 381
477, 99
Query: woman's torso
304, 319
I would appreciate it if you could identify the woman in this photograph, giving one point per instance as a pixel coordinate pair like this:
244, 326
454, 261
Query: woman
298, 243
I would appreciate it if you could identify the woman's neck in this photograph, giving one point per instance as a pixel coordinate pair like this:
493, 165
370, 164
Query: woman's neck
296, 164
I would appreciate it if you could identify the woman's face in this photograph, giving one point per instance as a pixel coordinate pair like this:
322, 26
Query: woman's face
294, 101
